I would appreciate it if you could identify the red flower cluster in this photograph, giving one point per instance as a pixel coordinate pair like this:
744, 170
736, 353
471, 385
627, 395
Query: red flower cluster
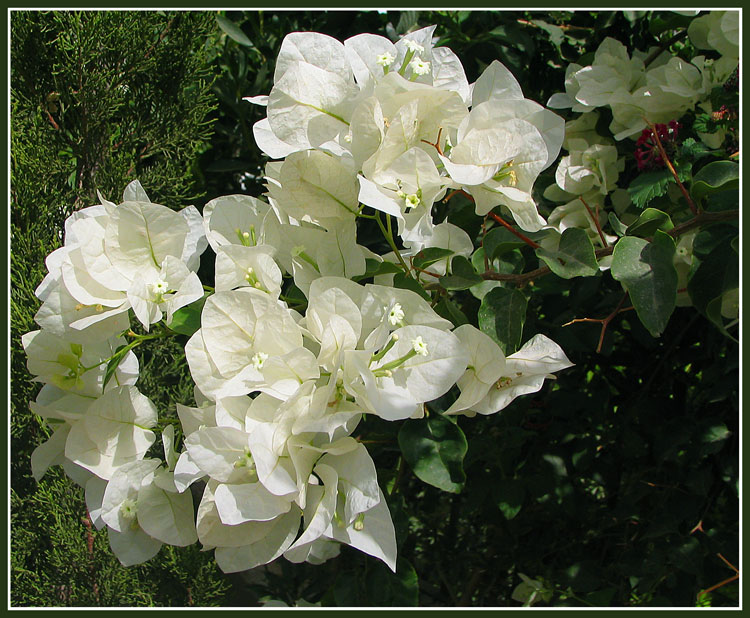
647, 154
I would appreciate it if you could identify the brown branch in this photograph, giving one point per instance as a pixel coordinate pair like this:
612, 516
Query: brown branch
703, 218
456, 192
484, 233
663, 47
437, 142
161, 37
671, 168
595, 219
513, 230
603, 321
52, 120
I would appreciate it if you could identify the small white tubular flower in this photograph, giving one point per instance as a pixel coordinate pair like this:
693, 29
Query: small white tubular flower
413, 46
385, 60
396, 315
412, 201
258, 359
158, 288
419, 346
129, 509
419, 66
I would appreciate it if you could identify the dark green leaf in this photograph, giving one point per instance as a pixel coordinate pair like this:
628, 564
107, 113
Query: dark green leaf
574, 256
649, 185
462, 275
648, 222
435, 447
387, 589
618, 227
502, 315
714, 177
375, 267
646, 271
430, 255
187, 320
509, 495
713, 273
693, 149
233, 31
449, 310
499, 240
404, 281
114, 362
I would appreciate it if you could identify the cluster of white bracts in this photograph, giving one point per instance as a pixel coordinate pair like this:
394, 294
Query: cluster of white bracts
278, 394
393, 127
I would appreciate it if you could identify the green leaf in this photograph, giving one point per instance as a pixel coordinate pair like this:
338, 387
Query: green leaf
435, 447
462, 275
373, 268
449, 310
428, 256
646, 271
502, 315
712, 440
649, 185
715, 177
405, 282
713, 273
186, 320
574, 256
500, 240
693, 149
114, 363
618, 227
387, 589
233, 31
509, 495
648, 222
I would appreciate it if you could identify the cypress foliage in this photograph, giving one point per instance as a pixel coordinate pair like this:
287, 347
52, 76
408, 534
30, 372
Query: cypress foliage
97, 99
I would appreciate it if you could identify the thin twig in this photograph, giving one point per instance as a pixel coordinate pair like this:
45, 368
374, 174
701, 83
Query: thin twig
603, 321
671, 168
437, 142
703, 218
663, 47
595, 219
513, 230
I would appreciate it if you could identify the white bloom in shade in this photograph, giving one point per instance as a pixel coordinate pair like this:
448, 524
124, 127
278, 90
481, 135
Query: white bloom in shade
419, 66
385, 60
524, 373
486, 365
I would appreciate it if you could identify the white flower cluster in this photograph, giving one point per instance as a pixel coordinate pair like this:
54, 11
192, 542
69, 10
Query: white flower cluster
278, 394
395, 126
659, 92
640, 88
